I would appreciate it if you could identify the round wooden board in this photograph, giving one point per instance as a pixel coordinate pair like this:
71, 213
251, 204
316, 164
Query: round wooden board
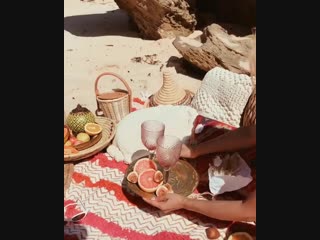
183, 178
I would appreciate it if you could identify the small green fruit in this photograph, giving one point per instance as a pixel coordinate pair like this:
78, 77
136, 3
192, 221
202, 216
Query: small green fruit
83, 137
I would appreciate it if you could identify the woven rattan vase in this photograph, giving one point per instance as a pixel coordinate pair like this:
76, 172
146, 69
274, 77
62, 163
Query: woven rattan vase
170, 93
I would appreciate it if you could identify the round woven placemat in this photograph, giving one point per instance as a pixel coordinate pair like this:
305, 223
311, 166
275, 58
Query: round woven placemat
108, 132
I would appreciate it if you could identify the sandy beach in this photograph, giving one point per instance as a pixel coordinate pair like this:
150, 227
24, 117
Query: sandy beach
99, 37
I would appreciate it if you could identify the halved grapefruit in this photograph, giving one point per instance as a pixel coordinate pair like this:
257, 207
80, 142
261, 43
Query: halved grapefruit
70, 150
146, 182
133, 177
240, 236
144, 164
169, 187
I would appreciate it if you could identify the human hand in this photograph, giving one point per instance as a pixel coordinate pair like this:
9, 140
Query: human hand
167, 203
188, 151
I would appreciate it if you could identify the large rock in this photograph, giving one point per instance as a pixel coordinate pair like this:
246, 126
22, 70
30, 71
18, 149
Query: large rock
160, 18
225, 47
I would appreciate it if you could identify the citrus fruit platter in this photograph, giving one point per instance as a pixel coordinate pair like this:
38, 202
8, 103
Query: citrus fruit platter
83, 140
144, 177
85, 134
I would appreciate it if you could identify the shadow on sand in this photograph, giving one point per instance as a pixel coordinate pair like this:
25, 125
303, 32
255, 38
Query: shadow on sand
115, 22
184, 67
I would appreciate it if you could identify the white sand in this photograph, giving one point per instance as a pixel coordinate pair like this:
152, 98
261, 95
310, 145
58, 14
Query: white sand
97, 38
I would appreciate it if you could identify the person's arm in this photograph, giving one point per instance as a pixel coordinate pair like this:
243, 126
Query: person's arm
241, 138
224, 210
218, 209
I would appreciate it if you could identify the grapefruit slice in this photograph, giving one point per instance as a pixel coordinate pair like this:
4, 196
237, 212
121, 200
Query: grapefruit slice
146, 182
161, 191
70, 150
92, 129
240, 236
68, 143
66, 134
158, 176
169, 187
144, 164
133, 177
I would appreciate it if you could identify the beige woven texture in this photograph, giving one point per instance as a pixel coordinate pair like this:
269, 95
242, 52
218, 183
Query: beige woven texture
170, 92
115, 109
223, 96
117, 104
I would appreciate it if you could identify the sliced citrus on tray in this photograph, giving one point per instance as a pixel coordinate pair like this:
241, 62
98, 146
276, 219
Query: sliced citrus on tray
144, 164
92, 129
146, 181
66, 134
70, 150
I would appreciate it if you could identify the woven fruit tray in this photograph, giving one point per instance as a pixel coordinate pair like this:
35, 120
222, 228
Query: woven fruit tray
101, 141
183, 178
94, 140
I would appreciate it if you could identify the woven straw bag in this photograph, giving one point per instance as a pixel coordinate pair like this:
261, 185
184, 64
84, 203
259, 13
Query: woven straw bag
114, 105
249, 113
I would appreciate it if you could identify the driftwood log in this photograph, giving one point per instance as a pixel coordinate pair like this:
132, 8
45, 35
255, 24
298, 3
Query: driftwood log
227, 47
160, 18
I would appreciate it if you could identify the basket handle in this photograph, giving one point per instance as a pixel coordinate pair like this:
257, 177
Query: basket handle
118, 77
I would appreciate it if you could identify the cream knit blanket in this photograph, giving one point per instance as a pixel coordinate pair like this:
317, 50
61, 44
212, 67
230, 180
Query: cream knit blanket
223, 96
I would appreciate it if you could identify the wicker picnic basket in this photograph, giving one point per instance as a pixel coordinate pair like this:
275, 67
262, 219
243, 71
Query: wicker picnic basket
114, 105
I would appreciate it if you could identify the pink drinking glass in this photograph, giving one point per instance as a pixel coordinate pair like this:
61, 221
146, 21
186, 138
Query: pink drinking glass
151, 130
168, 152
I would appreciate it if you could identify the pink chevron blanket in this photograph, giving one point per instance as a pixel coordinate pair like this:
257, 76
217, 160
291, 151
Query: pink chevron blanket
113, 214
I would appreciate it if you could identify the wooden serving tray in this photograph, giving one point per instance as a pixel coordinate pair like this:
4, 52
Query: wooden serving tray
108, 132
183, 178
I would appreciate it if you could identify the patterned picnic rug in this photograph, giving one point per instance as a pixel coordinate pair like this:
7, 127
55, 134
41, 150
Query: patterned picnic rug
114, 214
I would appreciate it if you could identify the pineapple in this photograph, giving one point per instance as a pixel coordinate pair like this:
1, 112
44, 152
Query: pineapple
78, 118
